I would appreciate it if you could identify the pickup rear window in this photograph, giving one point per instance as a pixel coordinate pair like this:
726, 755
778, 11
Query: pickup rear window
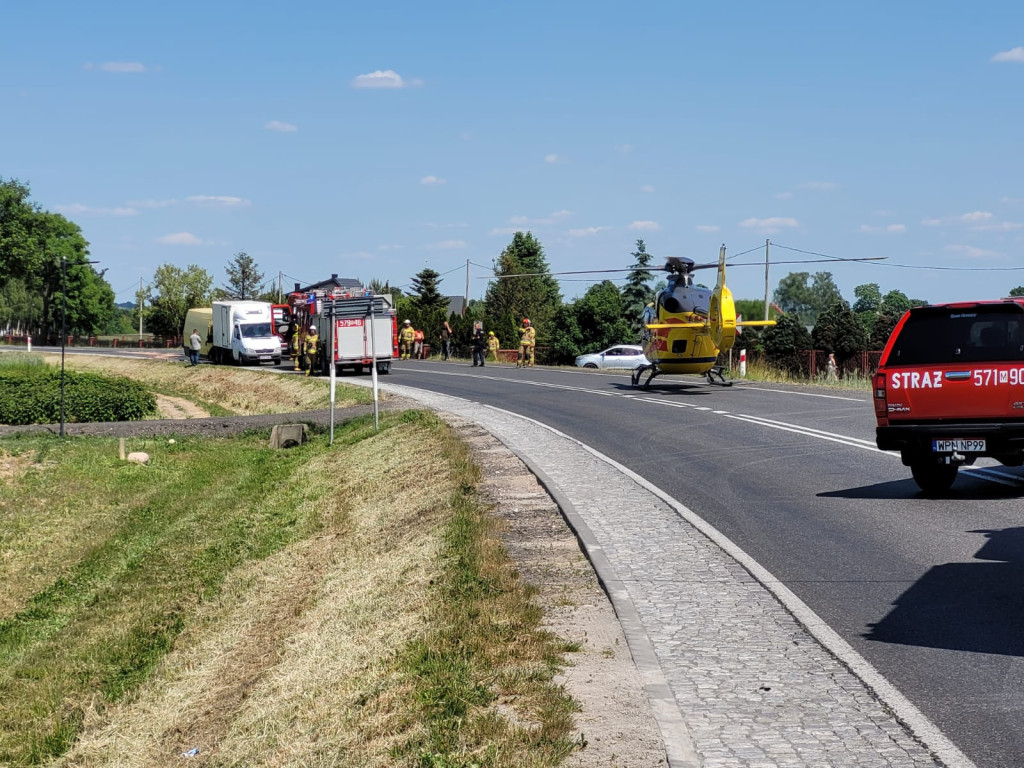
966, 334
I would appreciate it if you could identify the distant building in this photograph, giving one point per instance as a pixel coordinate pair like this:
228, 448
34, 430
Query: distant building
330, 284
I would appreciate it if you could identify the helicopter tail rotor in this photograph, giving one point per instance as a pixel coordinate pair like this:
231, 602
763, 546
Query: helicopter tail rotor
722, 311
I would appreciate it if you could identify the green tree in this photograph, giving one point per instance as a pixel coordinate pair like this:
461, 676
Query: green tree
895, 303
173, 292
637, 292
869, 297
591, 323
46, 251
839, 331
786, 342
795, 295
20, 310
428, 296
245, 281
536, 295
1018, 291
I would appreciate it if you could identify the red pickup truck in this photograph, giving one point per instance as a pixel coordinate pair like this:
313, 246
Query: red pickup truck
950, 389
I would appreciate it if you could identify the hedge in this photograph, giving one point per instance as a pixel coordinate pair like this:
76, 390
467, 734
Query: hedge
33, 397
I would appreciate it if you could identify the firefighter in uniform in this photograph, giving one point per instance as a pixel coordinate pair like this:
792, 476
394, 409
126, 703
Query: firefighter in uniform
406, 337
311, 349
492, 345
527, 341
295, 349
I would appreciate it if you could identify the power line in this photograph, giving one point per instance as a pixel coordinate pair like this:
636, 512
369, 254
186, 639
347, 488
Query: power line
901, 266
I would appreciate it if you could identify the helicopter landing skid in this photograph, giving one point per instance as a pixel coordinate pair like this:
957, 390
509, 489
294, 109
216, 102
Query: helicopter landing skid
716, 376
638, 374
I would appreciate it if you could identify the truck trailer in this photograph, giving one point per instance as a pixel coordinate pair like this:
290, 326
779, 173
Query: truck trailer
238, 332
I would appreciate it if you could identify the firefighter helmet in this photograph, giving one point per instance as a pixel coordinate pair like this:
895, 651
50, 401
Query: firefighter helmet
526, 321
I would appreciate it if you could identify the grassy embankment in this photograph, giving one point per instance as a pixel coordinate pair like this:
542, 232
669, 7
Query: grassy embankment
315, 606
223, 390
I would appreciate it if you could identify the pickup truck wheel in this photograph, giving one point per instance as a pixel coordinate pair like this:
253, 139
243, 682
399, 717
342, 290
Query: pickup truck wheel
933, 478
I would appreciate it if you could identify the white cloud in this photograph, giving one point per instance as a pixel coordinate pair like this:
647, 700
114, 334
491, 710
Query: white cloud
130, 67
769, 225
624, 148
503, 231
151, 203
1012, 200
891, 229
586, 231
77, 209
707, 228
999, 226
447, 245
551, 218
389, 247
220, 201
553, 158
277, 125
1014, 54
645, 226
931, 222
976, 216
386, 78
647, 188
432, 181
971, 252
819, 186
180, 238
783, 195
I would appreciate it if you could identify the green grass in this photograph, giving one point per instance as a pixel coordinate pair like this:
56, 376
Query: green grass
486, 642
108, 563
113, 604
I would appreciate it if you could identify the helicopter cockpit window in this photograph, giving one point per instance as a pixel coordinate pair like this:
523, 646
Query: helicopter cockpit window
686, 299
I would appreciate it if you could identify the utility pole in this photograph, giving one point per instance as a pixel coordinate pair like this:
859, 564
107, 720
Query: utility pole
141, 300
465, 304
766, 244
280, 295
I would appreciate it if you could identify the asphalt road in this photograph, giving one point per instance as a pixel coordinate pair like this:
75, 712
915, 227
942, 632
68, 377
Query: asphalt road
930, 591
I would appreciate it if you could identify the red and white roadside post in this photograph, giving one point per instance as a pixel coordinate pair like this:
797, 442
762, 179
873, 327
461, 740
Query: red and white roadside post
29, 343
743, 363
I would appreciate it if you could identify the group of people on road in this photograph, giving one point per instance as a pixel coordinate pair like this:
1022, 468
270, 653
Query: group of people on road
307, 348
483, 345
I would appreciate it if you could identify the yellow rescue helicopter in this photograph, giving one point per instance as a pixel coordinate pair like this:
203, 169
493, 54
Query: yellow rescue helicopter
687, 327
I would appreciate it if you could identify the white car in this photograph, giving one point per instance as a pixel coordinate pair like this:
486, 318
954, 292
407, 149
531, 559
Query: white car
621, 356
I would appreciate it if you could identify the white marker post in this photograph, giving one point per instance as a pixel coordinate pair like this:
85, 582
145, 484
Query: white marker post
334, 372
743, 363
373, 367
29, 343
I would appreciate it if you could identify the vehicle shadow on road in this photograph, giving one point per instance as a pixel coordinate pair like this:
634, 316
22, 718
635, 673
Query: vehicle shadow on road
673, 388
976, 607
966, 488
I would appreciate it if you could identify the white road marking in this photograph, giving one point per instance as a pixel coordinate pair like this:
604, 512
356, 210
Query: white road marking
978, 473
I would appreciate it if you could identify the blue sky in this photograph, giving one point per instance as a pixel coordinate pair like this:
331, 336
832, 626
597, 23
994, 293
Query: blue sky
373, 140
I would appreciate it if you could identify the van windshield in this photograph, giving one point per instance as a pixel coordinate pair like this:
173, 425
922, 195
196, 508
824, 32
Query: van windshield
256, 330
978, 334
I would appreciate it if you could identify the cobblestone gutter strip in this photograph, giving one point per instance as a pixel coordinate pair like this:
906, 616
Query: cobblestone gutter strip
754, 677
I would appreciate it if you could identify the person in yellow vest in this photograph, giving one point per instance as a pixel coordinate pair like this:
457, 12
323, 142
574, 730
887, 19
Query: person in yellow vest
492, 346
295, 349
312, 340
406, 338
527, 342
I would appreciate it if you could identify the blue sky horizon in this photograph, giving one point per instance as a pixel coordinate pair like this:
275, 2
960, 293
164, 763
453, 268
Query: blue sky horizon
374, 141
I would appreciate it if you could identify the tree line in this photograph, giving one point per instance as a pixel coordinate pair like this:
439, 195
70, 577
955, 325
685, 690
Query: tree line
44, 261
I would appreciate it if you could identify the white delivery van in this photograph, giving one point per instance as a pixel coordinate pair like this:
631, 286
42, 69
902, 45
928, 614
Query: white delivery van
242, 333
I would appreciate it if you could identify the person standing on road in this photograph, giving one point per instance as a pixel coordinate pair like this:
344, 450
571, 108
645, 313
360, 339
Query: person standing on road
833, 369
405, 340
527, 342
479, 347
312, 341
417, 344
492, 346
295, 349
446, 340
195, 343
